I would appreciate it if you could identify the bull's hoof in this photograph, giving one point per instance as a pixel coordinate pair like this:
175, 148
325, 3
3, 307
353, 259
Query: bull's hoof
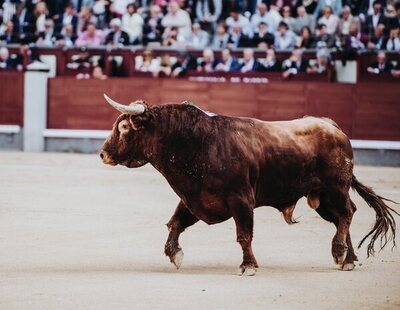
348, 266
339, 252
247, 271
177, 259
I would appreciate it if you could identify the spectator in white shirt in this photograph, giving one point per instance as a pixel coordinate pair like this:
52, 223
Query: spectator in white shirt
176, 17
198, 38
132, 24
262, 15
237, 19
330, 20
393, 43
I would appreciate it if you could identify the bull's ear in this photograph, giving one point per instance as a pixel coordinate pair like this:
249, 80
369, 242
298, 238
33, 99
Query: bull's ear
140, 121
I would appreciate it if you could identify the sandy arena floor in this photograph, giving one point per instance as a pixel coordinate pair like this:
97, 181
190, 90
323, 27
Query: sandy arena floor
75, 234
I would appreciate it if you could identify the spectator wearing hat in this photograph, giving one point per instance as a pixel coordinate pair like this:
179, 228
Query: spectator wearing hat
249, 63
285, 39
90, 37
263, 38
132, 24
303, 20
117, 37
221, 37
381, 65
228, 63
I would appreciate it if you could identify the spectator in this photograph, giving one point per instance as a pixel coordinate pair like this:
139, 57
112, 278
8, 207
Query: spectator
6, 63
284, 39
171, 37
351, 43
270, 62
263, 38
80, 4
208, 63
100, 12
393, 43
132, 23
90, 37
146, 62
323, 36
378, 40
177, 18
330, 20
208, 12
306, 39
262, 15
117, 37
85, 17
249, 63
228, 63
67, 18
67, 37
374, 19
396, 20
48, 36
334, 5
346, 20
184, 63
9, 36
165, 67
287, 17
235, 20
294, 64
152, 29
41, 14
321, 64
119, 7
237, 38
396, 71
221, 37
303, 20
97, 73
198, 38
24, 22
381, 66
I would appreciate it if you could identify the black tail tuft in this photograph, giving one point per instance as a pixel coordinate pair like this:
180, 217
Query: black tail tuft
385, 225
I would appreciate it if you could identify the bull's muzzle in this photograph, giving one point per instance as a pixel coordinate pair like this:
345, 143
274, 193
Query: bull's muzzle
107, 159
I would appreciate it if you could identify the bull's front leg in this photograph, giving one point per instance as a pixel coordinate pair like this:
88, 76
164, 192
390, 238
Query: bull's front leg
181, 219
242, 211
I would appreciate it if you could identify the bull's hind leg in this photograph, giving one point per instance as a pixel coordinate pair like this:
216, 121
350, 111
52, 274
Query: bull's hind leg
181, 219
339, 209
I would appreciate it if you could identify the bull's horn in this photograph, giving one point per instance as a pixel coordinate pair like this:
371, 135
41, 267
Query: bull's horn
133, 109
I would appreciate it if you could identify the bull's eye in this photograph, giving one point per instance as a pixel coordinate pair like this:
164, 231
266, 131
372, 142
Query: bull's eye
123, 127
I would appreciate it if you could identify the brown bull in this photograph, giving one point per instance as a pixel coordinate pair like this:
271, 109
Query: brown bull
223, 167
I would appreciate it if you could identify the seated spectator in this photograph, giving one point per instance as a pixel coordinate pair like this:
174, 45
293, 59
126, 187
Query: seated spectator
321, 64
170, 37
9, 36
100, 12
67, 18
303, 20
132, 23
177, 18
323, 36
306, 39
208, 63
85, 17
48, 36
67, 37
24, 22
147, 62
221, 37
374, 19
235, 20
263, 38
378, 40
207, 12
353, 40
285, 39
346, 20
198, 38
152, 29
287, 17
165, 67
262, 15
184, 63
249, 63
270, 62
330, 20
118, 7
117, 37
90, 37
381, 65
228, 63
294, 64
335, 5
6, 63
41, 14
237, 38
393, 42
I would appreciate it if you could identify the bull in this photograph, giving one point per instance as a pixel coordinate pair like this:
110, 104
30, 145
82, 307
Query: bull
223, 167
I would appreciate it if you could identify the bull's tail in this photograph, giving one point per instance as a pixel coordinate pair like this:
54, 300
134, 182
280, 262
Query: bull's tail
385, 225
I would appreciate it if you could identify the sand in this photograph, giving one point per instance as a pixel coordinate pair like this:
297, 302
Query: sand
75, 234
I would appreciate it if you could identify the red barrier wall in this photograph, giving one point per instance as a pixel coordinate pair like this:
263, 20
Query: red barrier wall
11, 98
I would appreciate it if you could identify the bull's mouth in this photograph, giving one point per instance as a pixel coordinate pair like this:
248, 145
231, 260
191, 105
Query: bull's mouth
107, 160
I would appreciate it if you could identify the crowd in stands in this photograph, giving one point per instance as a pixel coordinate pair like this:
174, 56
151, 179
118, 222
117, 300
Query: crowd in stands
273, 25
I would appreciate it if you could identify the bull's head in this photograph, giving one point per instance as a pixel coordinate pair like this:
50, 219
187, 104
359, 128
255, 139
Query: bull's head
128, 144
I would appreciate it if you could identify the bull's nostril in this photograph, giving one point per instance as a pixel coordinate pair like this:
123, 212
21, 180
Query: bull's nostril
101, 155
